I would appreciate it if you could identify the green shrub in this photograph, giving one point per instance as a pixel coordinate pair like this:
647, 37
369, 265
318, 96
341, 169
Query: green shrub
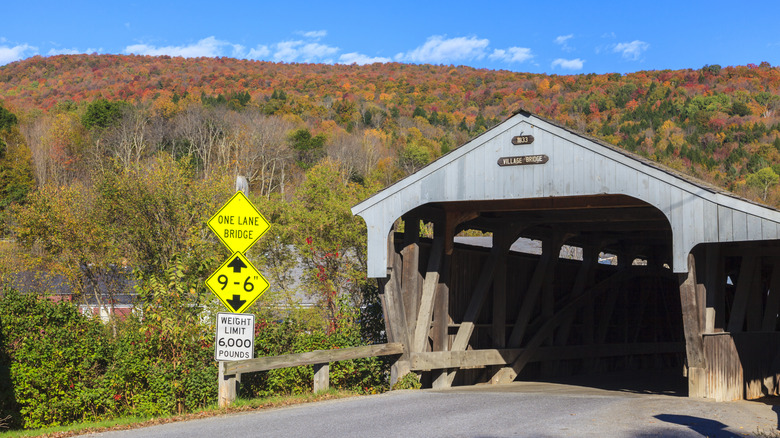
289, 336
408, 381
53, 357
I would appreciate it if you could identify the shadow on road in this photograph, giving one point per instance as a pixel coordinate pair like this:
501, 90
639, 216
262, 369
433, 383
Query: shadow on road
702, 426
773, 401
663, 382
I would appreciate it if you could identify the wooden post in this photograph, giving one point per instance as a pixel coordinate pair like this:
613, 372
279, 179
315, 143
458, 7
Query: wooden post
715, 287
742, 295
498, 330
769, 323
551, 249
441, 305
394, 306
692, 326
321, 377
410, 275
431, 281
227, 387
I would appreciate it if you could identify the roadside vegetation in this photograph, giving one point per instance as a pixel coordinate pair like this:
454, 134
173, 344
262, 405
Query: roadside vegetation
110, 167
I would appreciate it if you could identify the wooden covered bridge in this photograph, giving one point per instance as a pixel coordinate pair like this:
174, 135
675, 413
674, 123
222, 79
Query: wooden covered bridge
695, 286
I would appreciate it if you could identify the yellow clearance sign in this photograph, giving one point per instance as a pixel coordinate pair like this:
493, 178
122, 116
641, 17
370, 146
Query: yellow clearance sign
238, 224
237, 283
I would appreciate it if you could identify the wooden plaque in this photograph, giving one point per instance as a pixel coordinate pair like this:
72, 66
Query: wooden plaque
522, 139
523, 160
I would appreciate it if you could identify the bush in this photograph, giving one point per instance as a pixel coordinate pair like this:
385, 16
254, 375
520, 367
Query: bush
53, 360
58, 366
285, 337
408, 381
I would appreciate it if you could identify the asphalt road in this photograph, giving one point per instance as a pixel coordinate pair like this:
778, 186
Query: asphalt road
516, 410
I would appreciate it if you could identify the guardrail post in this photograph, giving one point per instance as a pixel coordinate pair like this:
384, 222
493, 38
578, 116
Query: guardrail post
227, 388
321, 377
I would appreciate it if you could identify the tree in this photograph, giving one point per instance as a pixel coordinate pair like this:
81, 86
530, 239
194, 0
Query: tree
16, 178
103, 113
763, 180
309, 149
330, 241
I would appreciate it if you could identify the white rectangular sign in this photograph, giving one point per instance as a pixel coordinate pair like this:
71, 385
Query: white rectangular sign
235, 336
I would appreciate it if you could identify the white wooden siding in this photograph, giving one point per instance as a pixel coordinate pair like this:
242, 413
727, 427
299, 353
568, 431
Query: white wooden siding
577, 166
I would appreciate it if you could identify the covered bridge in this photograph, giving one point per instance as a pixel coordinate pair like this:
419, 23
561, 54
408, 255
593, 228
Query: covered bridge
695, 286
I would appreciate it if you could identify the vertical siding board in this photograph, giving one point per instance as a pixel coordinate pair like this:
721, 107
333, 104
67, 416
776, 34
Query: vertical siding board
578, 170
678, 221
710, 218
679, 236
509, 176
550, 169
754, 227
621, 179
569, 168
725, 224
697, 218
659, 196
643, 186
459, 182
608, 176
739, 225
589, 173
768, 230
598, 173
528, 181
476, 179
539, 181
626, 181
632, 182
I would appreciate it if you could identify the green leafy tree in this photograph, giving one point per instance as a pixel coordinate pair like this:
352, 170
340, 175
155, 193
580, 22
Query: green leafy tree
763, 180
103, 113
309, 149
16, 176
329, 240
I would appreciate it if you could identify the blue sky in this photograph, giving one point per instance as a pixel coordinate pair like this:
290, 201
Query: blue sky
565, 37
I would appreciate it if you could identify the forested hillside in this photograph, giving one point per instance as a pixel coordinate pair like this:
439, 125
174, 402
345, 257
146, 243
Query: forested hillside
110, 166
718, 123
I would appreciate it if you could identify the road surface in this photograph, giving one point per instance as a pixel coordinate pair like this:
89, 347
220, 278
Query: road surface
521, 409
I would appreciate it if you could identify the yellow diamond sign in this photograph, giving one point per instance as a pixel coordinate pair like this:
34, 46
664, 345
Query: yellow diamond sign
238, 224
237, 283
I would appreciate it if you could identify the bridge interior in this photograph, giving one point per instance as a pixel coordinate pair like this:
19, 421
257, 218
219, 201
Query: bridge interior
609, 303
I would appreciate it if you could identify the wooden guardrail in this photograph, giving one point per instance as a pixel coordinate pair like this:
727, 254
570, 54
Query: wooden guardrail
230, 372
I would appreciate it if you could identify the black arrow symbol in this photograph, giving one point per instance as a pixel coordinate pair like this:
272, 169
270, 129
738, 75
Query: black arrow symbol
236, 302
237, 264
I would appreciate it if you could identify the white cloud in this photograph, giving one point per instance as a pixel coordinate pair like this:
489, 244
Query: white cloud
631, 51
563, 38
259, 52
15, 53
315, 34
512, 54
563, 41
438, 49
299, 51
360, 59
73, 51
568, 64
209, 47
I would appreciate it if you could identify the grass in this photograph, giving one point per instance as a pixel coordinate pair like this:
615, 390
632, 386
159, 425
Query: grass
124, 423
